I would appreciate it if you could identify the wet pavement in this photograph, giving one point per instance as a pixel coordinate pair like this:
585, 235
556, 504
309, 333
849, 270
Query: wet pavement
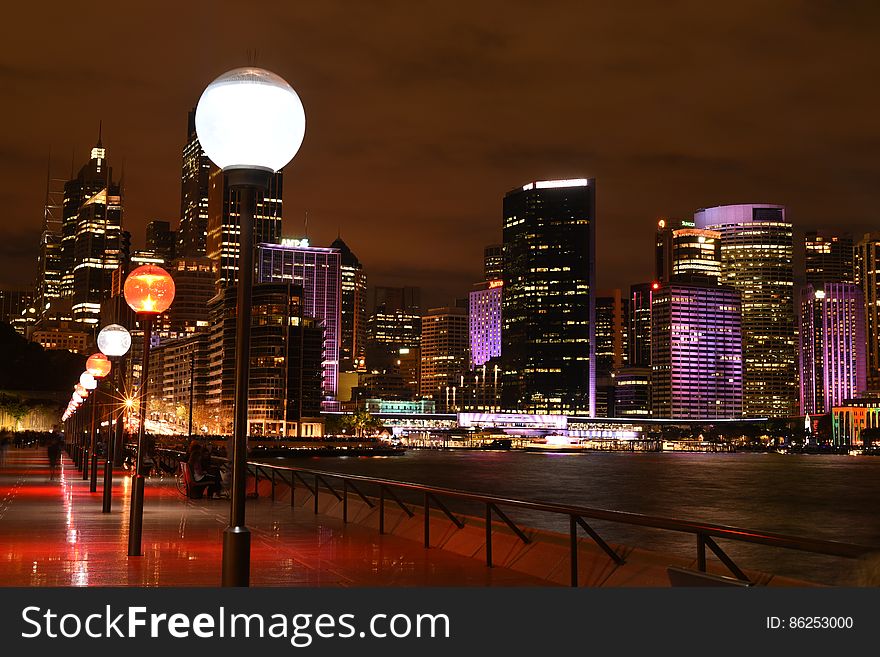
53, 533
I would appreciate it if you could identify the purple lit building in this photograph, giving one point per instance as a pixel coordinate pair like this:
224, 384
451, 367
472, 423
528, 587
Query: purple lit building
317, 270
833, 358
485, 322
696, 352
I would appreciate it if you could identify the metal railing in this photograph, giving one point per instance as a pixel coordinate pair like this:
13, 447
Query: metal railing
578, 516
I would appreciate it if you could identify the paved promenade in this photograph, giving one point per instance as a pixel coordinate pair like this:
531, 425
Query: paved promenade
53, 533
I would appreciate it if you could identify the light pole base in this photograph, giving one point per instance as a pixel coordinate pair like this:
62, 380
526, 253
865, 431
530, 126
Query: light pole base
236, 556
136, 518
107, 490
93, 479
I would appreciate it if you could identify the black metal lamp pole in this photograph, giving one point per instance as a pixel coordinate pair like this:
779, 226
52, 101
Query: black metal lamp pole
192, 382
110, 449
93, 480
136, 516
237, 537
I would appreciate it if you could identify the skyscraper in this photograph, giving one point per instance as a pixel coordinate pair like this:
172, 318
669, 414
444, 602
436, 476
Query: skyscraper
828, 258
93, 177
394, 324
639, 333
548, 306
444, 356
485, 322
161, 240
756, 259
223, 223
317, 271
195, 169
696, 352
612, 310
832, 345
867, 266
493, 262
353, 304
683, 249
47, 289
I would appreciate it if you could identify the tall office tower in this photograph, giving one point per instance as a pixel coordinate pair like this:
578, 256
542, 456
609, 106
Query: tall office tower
611, 346
161, 239
548, 334
97, 251
93, 177
353, 304
395, 324
317, 271
639, 329
867, 266
193, 288
47, 288
285, 390
696, 352
444, 354
828, 258
223, 223
195, 169
832, 345
17, 309
493, 262
756, 259
485, 322
684, 250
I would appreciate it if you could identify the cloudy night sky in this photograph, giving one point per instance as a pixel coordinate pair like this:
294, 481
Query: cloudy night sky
420, 116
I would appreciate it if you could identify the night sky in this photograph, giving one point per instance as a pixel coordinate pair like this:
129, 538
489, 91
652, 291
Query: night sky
421, 115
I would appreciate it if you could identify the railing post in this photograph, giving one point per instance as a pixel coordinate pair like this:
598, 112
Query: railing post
701, 553
273, 485
316, 494
256, 481
292, 488
345, 500
381, 509
573, 539
488, 535
427, 520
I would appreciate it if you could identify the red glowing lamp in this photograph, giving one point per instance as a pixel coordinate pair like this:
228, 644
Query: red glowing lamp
98, 365
149, 290
81, 391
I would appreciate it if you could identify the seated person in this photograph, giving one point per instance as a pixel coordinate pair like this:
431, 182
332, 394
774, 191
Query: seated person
199, 473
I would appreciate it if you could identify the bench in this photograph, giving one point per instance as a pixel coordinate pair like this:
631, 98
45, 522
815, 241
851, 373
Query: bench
194, 490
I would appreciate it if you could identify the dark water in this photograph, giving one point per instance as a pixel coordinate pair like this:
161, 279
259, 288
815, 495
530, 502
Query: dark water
829, 497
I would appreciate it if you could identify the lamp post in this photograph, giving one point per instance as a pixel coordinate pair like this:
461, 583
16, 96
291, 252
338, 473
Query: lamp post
251, 123
149, 291
87, 381
98, 365
115, 341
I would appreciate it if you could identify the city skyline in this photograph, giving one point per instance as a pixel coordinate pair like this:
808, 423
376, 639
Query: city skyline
431, 132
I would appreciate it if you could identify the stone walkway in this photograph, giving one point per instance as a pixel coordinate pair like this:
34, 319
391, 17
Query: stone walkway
53, 533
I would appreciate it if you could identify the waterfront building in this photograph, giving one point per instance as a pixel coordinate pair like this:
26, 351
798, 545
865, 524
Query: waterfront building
224, 223
353, 309
832, 346
285, 388
180, 377
611, 346
399, 406
548, 307
193, 289
639, 325
696, 352
195, 170
444, 356
632, 392
63, 335
855, 423
757, 260
15, 305
493, 262
867, 275
317, 270
828, 258
394, 324
482, 387
484, 314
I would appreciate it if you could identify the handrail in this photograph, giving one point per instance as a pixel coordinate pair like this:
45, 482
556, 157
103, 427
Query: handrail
576, 514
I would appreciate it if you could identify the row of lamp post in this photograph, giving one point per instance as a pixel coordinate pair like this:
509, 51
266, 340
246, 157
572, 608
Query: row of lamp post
250, 123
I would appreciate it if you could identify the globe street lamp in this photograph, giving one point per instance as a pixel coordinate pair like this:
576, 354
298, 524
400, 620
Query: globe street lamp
251, 123
115, 341
87, 381
149, 291
98, 365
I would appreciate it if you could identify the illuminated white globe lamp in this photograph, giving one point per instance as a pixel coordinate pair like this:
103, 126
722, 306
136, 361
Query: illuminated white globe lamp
114, 340
88, 381
250, 118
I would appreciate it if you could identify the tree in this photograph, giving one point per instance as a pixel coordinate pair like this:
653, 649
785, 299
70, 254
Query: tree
361, 422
